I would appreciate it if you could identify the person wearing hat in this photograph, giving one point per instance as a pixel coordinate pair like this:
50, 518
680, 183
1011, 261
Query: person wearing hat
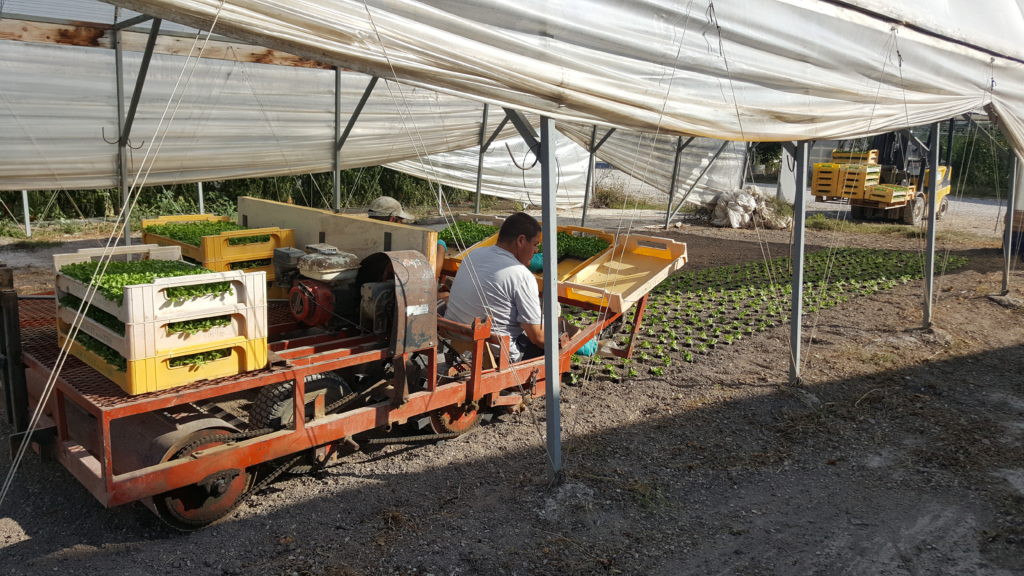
387, 208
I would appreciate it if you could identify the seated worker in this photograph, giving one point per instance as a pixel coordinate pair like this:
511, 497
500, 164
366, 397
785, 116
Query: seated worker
494, 281
387, 208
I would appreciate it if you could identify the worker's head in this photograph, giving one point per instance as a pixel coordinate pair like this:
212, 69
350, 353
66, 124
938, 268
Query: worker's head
387, 208
520, 235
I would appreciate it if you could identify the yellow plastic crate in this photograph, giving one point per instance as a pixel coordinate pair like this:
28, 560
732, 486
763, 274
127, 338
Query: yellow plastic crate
618, 277
156, 373
889, 193
216, 252
825, 179
854, 178
855, 156
565, 267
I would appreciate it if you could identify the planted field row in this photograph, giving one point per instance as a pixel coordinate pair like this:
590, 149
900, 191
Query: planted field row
695, 311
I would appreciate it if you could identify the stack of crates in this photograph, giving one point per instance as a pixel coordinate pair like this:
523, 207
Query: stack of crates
153, 350
847, 176
217, 253
889, 193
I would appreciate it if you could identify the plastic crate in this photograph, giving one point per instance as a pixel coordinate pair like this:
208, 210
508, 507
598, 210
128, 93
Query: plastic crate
621, 275
216, 252
146, 311
889, 193
825, 178
156, 373
565, 267
855, 156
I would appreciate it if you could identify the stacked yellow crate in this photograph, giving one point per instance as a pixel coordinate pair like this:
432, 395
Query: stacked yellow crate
157, 355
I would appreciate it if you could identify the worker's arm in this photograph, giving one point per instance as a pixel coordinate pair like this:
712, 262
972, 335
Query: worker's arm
535, 332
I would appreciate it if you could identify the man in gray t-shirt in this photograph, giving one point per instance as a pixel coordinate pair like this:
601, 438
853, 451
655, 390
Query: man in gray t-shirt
494, 281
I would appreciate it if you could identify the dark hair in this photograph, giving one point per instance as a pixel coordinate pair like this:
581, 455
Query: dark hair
516, 224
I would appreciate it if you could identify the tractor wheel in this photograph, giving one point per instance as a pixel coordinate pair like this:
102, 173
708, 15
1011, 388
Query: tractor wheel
192, 507
943, 208
913, 212
274, 408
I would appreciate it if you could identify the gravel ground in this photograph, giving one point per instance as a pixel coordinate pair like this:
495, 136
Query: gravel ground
901, 453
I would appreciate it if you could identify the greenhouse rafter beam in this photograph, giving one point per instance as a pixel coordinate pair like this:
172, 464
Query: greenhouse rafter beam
588, 191
480, 157
140, 81
497, 131
697, 179
132, 21
916, 140
983, 130
680, 146
525, 129
356, 112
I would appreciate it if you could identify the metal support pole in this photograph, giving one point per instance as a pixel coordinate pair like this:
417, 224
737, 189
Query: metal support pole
672, 180
356, 112
199, 191
480, 158
336, 179
797, 302
697, 179
24, 205
552, 378
933, 195
1011, 208
591, 167
122, 141
125, 120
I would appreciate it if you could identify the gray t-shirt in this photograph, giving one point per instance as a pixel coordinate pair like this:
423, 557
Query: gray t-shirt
508, 289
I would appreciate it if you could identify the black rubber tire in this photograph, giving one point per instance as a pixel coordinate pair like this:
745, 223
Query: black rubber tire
943, 208
273, 407
913, 213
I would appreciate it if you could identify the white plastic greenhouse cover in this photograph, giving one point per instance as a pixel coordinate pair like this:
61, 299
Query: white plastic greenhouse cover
755, 70
243, 119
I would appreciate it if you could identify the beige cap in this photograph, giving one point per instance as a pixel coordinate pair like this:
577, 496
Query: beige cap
386, 207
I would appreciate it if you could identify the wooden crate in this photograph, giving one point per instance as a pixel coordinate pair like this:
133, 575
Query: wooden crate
217, 252
146, 312
855, 156
889, 193
618, 277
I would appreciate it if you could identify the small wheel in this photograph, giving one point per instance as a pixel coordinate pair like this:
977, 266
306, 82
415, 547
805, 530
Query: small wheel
455, 419
192, 507
943, 208
913, 212
274, 408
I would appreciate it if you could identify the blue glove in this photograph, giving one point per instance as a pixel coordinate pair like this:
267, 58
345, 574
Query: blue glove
537, 263
588, 349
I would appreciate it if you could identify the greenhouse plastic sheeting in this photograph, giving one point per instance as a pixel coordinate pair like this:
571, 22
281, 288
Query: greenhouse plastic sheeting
754, 70
58, 115
510, 170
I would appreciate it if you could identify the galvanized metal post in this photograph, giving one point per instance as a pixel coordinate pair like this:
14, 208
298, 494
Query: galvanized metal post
699, 176
337, 136
202, 202
933, 195
122, 140
480, 158
24, 205
799, 216
672, 181
591, 167
551, 364
1011, 208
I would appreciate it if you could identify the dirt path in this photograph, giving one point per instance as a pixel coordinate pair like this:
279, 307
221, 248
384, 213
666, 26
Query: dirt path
902, 453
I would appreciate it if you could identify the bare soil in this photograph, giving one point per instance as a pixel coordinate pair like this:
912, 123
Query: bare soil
901, 452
